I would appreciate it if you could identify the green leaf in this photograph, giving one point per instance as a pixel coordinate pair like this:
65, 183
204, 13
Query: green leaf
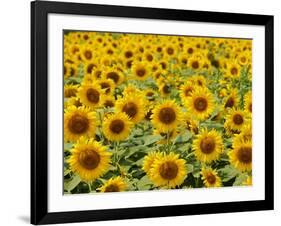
68, 146
228, 172
144, 183
70, 185
240, 179
189, 168
184, 137
150, 139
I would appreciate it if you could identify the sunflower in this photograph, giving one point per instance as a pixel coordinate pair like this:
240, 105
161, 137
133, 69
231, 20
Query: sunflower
141, 70
150, 94
200, 103
89, 159
133, 106
116, 184
186, 89
114, 74
73, 101
107, 85
208, 145
232, 99
149, 160
241, 155
190, 123
194, 63
131, 90
236, 120
78, 122
108, 101
166, 116
165, 89
210, 177
70, 90
90, 95
233, 70
168, 170
244, 135
117, 127
87, 54
248, 102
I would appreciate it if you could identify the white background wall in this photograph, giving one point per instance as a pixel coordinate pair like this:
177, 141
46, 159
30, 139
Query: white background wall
15, 113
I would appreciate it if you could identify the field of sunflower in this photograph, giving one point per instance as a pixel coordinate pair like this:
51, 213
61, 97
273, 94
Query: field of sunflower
149, 112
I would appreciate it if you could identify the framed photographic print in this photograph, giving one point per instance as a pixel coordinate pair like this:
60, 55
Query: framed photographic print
144, 112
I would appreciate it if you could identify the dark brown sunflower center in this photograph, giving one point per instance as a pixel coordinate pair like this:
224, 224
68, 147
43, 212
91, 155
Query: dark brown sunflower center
117, 126
244, 154
140, 72
114, 76
234, 71
93, 95
70, 92
207, 145
108, 104
250, 107
167, 115
112, 188
78, 124
200, 104
130, 109
243, 59
229, 103
195, 65
211, 178
163, 65
88, 54
128, 54
170, 51
89, 159
149, 57
190, 50
166, 89
187, 91
106, 86
168, 170
238, 119
90, 68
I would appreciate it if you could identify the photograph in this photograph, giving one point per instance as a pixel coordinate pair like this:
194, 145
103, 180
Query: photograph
147, 112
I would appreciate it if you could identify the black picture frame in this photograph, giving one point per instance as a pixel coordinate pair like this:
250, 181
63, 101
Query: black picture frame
39, 108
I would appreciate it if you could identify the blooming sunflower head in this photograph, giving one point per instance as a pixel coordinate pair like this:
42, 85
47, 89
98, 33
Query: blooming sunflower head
248, 102
116, 184
149, 160
200, 103
133, 106
89, 159
168, 170
241, 155
70, 90
236, 120
232, 99
210, 177
107, 85
141, 70
166, 116
78, 122
90, 95
186, 89
117, 127
208, 145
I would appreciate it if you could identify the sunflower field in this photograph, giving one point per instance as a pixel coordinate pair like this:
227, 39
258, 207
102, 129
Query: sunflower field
150, 112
